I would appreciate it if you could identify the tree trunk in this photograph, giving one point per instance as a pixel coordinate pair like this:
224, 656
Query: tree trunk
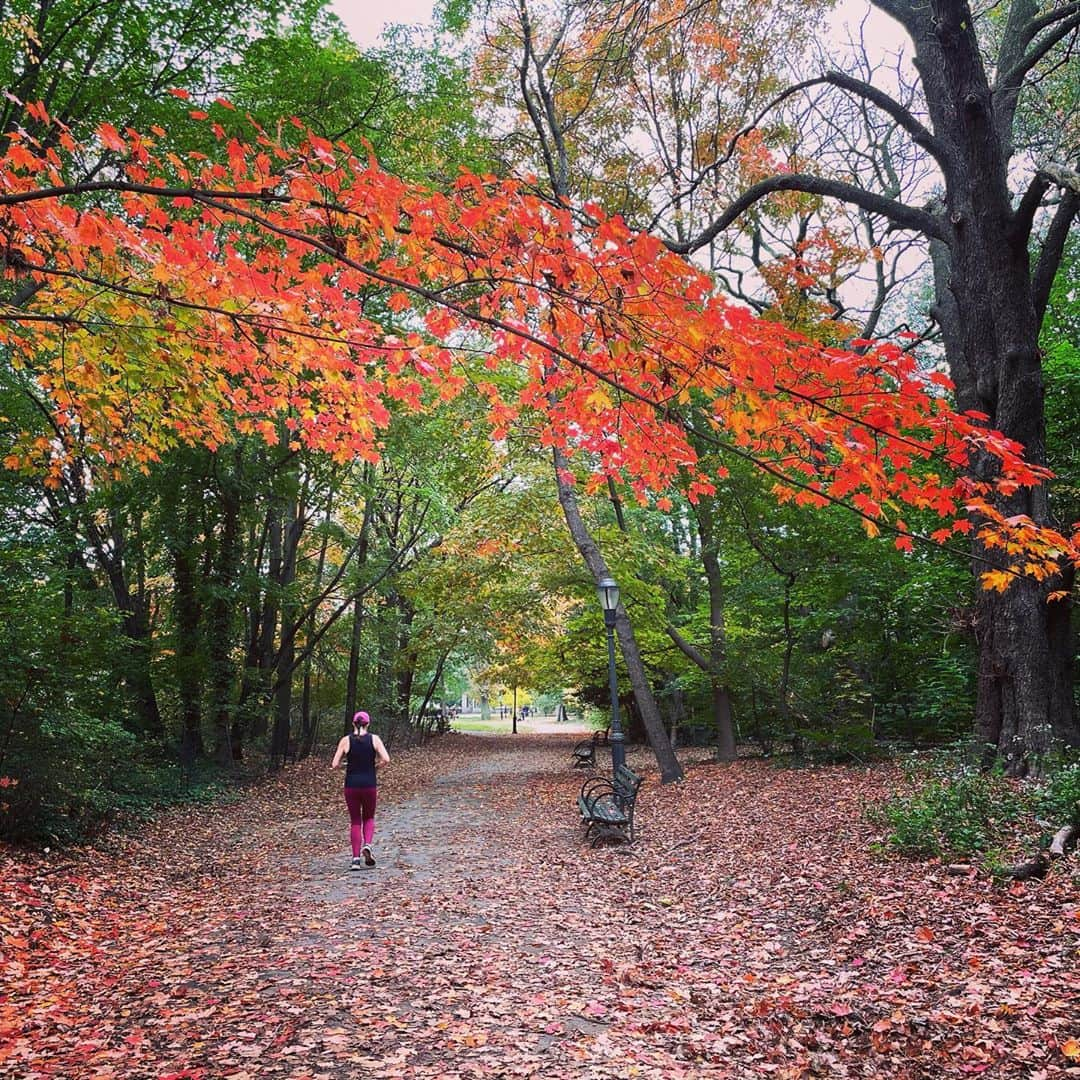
988, 310
670, 769
353, 675
135, 622
721, 695
285, 658
307, 728
188, 661
351, 688
221, 621
250, 713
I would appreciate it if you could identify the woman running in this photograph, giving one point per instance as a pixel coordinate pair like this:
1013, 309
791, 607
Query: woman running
360, 751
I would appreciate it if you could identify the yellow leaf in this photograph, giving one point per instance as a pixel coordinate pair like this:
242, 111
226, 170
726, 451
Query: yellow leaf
996, 580
598, 400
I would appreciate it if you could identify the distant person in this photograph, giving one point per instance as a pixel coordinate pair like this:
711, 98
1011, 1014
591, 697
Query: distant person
360, 751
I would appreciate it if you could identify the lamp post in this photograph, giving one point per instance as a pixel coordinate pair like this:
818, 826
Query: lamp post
609, 601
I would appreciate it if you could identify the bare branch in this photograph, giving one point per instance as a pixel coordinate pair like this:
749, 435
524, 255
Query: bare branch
900, 214
919, 133
1053, 248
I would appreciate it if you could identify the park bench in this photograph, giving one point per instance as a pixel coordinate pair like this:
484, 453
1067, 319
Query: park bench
584, 753
607, 805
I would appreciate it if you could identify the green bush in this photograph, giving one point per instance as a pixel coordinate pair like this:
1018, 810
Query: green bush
77, 781
959, 814
956, 810
1057, 797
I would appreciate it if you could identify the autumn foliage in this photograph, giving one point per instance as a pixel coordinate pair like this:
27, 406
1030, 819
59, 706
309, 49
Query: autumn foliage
296, 290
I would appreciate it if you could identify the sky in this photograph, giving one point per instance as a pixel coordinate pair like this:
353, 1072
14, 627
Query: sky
365, 19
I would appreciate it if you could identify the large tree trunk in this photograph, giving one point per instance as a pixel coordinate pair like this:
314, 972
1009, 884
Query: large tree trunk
988, 308
670, 769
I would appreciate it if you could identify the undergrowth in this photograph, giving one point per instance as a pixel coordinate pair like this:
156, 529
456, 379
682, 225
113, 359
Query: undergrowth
954, 810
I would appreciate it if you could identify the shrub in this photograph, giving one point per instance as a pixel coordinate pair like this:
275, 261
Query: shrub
957, 810
1057, 796
958, 814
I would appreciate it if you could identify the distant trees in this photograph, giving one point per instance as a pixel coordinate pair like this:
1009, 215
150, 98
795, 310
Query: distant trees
973, 155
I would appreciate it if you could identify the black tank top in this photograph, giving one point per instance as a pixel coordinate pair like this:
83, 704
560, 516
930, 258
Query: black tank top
360, 770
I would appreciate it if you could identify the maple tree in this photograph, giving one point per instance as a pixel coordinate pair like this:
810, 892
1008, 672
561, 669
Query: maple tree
237, 296
244, 301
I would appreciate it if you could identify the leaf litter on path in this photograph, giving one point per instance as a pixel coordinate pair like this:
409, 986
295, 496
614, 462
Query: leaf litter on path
748, 931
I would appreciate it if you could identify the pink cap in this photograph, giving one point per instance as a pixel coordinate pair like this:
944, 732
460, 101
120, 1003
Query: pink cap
362, 719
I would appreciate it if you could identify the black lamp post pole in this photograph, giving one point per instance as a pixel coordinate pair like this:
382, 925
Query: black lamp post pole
618, 748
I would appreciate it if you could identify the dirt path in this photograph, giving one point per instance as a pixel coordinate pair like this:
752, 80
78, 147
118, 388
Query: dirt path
430, 835
749, 932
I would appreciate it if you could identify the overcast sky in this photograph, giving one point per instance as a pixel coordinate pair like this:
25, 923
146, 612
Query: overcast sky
365, 19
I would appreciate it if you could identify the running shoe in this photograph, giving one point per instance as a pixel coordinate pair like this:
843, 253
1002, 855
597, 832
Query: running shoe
356, 863
369, 859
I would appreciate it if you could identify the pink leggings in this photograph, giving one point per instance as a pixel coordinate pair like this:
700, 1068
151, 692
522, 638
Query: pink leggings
361, 804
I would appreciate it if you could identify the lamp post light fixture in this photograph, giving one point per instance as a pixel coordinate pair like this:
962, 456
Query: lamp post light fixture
609, 601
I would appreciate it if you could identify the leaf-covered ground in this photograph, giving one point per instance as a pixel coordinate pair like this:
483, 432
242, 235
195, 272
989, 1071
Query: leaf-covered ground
748, 932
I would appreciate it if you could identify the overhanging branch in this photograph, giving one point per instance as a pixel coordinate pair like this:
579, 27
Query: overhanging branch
900, 214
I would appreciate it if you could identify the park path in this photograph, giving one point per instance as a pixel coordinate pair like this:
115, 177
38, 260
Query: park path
233, 942
473, 974
750, 931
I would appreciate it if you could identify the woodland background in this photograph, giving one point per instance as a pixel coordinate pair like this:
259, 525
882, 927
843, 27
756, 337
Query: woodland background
164, 629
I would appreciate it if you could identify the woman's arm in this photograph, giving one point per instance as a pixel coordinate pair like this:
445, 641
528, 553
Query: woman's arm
342, 750
384, 757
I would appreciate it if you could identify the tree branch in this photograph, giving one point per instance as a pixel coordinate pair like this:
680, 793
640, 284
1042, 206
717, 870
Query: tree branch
1014, 76
920, 134
1030, 201
695, 655
900, 214
1053, 248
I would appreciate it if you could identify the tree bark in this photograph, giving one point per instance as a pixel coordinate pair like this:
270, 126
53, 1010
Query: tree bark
285, 657
188, 615
670, 769
135, 621
721, 694
307, 727
221, 622
987, 306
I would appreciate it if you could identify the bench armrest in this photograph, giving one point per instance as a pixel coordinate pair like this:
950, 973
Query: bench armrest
596, 786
